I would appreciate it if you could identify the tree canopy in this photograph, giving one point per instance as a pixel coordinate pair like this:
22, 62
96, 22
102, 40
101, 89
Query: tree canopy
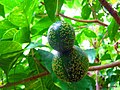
26, 56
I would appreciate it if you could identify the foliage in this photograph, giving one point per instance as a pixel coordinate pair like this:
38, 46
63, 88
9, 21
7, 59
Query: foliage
24, 49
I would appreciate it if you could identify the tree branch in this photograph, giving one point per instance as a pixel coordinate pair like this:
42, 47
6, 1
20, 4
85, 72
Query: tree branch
92, 68
111, 10
114, 64
87, 21
25, 80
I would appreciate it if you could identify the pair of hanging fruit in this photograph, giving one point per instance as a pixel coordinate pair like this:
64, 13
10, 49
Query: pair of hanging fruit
70, 64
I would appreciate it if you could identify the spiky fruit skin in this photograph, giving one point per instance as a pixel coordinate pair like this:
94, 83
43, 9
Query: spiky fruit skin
61, 36
70, 66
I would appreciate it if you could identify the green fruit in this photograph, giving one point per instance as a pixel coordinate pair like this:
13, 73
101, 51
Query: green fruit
70, 66
61, 36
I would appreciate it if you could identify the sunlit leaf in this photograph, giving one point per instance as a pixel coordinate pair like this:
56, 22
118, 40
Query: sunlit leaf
60, 3
112, 29
18, 17
86, 11
70, 3
89, 33
10, 4
4, 26
113, 1
9, 34
50, 6
41, 26
29, 7
96, 6
9, 46
23, 14
22, 36
80, 37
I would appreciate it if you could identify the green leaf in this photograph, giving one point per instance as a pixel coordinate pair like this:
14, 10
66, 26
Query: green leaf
100, 15
118, 57
9, 51
22, 15
60, 3
77, 3
4, 26
18, 17
70, 3
94, 64
46, 58
117, 71
106, 57
44, 83
9, 46
96, 6
83, 1
7, 63
9, 34
2, 13
91, 53
10, 4
80, 36
112, 29
110, 72
29, 7
84, 84
86, 11
32, 64
17, 77
89, 33
19, 68
22, 36
41, 26
114, 78
50, 6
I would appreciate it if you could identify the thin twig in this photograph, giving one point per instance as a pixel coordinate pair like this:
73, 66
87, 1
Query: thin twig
116, 46
25, 80
113, 64
111, 10
86, 21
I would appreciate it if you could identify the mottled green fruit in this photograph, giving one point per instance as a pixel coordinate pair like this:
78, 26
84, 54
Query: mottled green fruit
70, 66
61, 36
